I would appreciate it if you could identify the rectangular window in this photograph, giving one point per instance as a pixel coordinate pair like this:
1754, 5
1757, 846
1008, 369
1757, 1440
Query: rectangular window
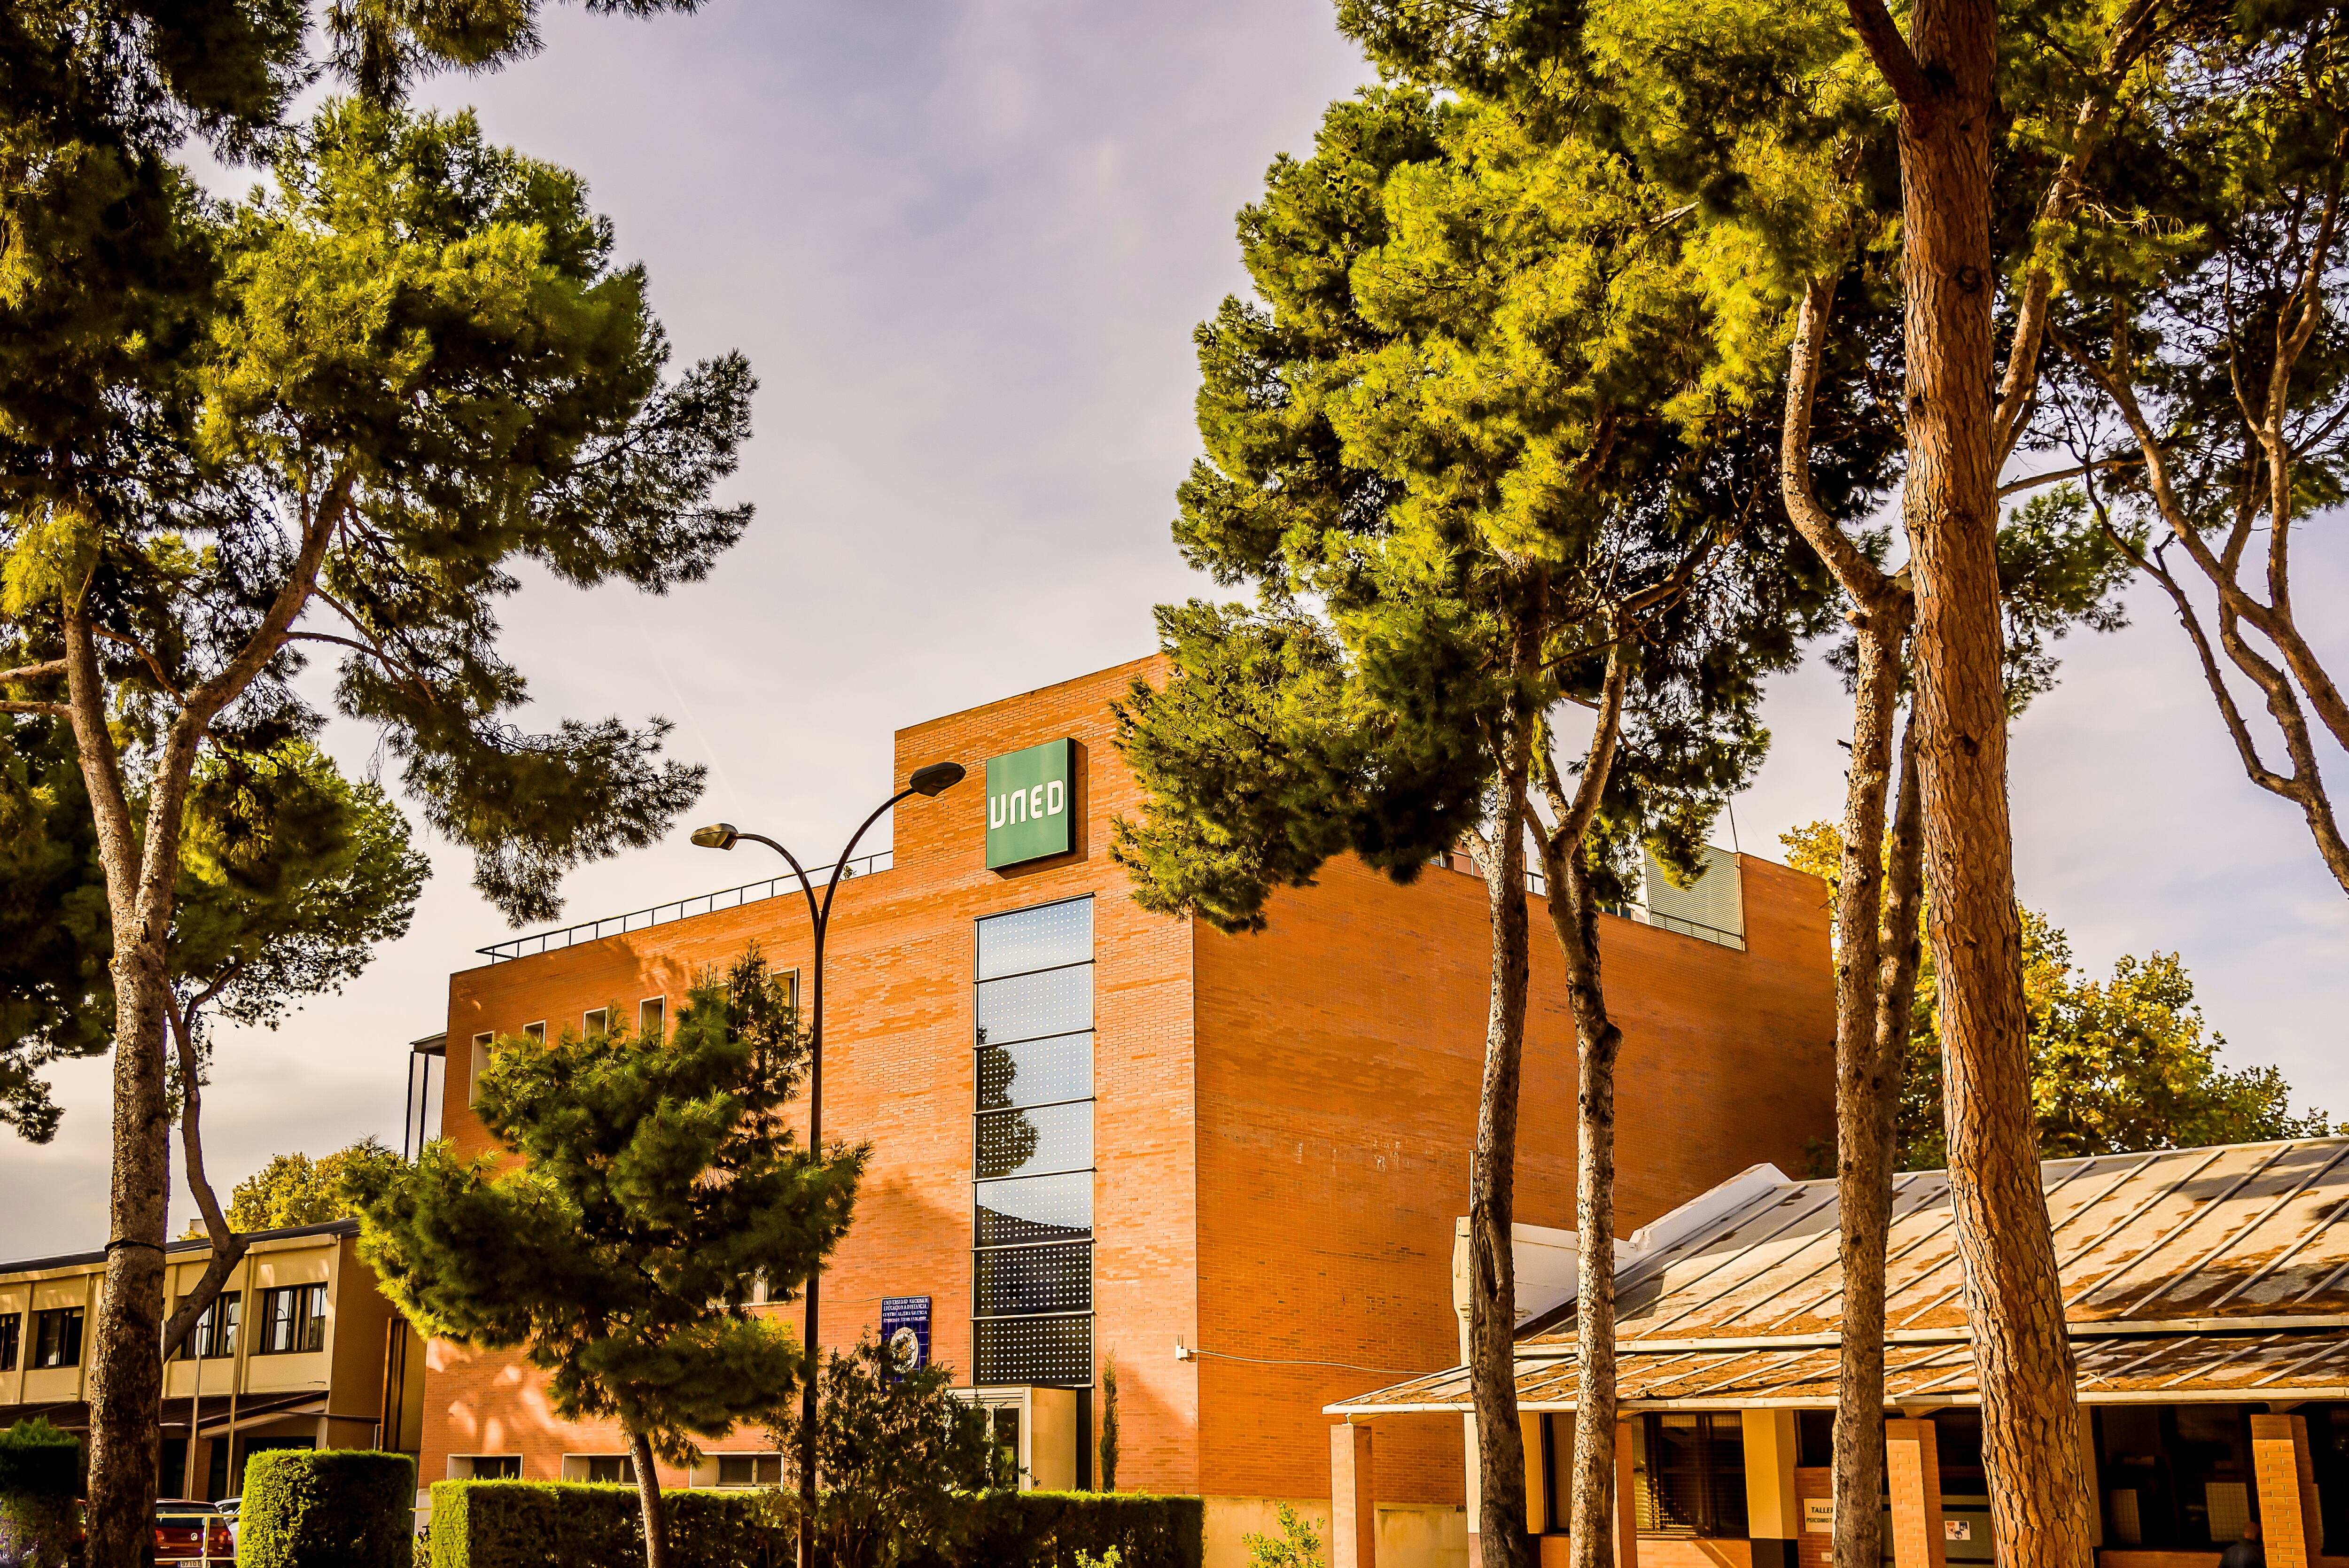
596, 1021
476, 1467
536, 1031
652, 1017
750, 1469
1032, 1147
293, 1320
481, 1069
11, 1329
608, 1470
214, 1337
57, 1338
1695, 1466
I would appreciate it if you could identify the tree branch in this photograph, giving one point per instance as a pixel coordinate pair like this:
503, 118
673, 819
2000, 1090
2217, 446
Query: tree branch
1890, 51
228, 1247
53, 709
32, 671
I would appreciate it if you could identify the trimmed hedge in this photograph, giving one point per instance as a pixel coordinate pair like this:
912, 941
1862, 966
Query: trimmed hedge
571, 1524
581, 1524
40, 1476
1048, 1529
327, 1508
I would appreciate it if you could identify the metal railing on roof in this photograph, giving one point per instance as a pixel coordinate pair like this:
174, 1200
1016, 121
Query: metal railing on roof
530, 944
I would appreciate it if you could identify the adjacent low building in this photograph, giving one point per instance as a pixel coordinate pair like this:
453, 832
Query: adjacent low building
300, 1350
1231, 1163
2207, 1296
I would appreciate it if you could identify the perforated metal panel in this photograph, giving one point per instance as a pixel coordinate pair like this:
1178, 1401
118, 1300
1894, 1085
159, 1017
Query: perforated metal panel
1022, 1281
1035, 1072
1027, 1006
1034, 1350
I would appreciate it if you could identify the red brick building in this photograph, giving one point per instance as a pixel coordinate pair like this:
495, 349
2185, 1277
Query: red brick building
1253, 1148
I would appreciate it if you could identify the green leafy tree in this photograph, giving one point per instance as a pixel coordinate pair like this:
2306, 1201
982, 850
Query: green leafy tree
295, 1190
656, 1183
1475, 454
2116, 1065
421, 367
900, 1456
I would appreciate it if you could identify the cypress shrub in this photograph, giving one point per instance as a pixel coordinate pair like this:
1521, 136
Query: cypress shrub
327, 1508
40, 1476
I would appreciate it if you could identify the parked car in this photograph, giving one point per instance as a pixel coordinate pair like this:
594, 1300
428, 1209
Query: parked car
228, 1507
187, 1532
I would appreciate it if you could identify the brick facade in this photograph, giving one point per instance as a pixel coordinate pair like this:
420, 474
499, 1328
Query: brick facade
1282, 1121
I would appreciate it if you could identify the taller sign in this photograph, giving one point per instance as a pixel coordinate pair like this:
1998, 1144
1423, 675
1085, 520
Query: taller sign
1030, 804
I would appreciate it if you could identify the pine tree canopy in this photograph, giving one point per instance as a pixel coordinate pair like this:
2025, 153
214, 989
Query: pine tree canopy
291, 877
1480, 390
656, 1181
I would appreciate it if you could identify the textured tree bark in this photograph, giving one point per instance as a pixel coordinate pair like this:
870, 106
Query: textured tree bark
2013, 1302
1863, 1130
648, 1497
1573, 917
1502, 1540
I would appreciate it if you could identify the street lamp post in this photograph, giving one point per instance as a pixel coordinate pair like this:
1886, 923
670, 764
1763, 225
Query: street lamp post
934, 780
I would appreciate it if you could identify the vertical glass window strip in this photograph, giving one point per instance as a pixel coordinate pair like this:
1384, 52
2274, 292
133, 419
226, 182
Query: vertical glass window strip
1032, 1147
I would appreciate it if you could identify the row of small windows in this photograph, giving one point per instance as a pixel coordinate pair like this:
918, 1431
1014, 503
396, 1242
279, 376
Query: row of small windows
652, 1020
617, 1469
293, 1320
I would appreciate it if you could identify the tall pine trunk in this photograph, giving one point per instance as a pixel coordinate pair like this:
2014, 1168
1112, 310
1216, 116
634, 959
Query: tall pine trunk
648, 1498
2013, 1302
1503, 1540
126, 1367
1573, 918
1863, 1137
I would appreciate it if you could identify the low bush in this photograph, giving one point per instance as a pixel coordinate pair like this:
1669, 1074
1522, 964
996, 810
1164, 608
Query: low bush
327, 1508
571, 1524
578, 1524
1050, 1529
40, 1475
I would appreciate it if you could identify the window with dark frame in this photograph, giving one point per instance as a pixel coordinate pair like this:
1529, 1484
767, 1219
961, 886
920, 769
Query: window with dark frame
750, 1469
12, 1330
611, 1470
293, 1320
213, 1338
57, 1337
1695, 1472
1032, 1147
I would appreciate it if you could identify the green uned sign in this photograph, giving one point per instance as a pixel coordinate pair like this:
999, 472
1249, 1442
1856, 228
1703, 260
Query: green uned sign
1030, 804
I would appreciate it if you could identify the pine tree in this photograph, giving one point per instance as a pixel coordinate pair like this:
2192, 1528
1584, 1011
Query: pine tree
414, 365
1477, 456
645, 1186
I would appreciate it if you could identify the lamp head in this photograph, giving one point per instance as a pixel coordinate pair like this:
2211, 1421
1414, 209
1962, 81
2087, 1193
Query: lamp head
937, 779
717, 836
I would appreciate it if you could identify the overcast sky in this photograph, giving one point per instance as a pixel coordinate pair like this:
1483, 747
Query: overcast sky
964, 245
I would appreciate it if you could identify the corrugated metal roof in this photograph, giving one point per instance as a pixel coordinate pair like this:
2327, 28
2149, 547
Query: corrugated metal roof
2191, 1273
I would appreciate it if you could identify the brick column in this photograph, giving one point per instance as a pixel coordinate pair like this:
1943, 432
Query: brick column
1627, 1493
2290, 1523
1912, 1470
1353, 1505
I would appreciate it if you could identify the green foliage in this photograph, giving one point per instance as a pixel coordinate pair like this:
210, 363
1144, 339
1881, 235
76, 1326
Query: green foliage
291, 877
1050, 1529
657, 1182
295, 1190
2116, 1065
40, 1477
568, 1524
327, 1508
1109, 1422
1298, 1545
559, 1524
898, 1454
1477, 399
